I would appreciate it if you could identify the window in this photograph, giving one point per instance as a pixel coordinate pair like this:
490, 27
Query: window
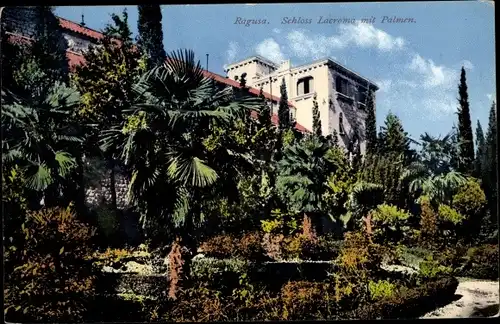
361, 95
341, 124
342, 86
304, 86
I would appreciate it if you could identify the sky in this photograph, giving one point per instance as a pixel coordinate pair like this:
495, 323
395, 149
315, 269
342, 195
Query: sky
415, 63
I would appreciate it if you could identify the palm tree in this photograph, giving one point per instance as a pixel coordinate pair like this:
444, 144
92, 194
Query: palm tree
433, 174
162, 142
37, 136
302, 174
364, 197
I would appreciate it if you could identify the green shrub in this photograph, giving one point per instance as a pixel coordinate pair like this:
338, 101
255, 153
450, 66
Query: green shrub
481, 262
247, 246
410, 302
321, 249
221, 274
389, 223
381, 289
470, 199
431, 269
53, 276
448, 214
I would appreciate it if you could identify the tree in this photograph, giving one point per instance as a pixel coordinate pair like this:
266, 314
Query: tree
316, 117
283, 110
106, 83
371, 125
490, 169
393, 138
480, 151
465, 136
162, 141
49, 47
37, 137
433, 175
150, 37
302, 173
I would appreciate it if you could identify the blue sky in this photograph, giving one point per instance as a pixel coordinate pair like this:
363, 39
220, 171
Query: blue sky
416, 65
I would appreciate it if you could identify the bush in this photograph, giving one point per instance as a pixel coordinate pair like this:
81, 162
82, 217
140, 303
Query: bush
481, 263
53, 277
321, 249
389, 223
432, 269
428, 222
448, 214
221, 274
221, 246
249, 246
381, 289
410, 302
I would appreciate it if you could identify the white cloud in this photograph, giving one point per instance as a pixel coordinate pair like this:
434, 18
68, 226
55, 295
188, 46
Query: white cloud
384, 85
433, 75
491, 96
232, 51
366, 35
467, 65
277, 31
271, 50
305, 45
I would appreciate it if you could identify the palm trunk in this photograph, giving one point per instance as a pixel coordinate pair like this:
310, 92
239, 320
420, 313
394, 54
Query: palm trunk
368, 223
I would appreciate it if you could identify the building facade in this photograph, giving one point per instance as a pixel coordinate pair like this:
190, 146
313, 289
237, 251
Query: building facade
341, 93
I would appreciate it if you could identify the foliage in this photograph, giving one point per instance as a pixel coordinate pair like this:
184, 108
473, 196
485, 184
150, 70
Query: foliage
283, 109
390, 222
150, 37
280, 222
428, 221
247, 246
410, 303
53, 275
431, 268
465, 137
490, 176
393, 138
316, 117
448, 214
481, 262
381, 289
479, 162
321, 249
302, 174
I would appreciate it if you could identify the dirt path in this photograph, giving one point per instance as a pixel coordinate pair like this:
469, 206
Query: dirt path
476, 295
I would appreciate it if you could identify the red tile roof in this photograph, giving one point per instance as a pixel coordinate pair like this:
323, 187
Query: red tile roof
78, 59
76, 28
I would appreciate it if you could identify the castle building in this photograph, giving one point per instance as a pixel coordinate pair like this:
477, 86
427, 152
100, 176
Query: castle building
341, 93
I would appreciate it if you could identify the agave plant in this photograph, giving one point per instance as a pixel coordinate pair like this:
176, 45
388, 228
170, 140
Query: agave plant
37, 136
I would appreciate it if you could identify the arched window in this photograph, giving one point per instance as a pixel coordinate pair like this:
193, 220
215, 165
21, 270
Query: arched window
341, 124
305, 85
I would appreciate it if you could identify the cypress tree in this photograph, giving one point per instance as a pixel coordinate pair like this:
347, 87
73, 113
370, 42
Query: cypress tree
150, 37
480, 151
393, 137
490, 168
283, 110
465, 137
316, 117
371, 125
